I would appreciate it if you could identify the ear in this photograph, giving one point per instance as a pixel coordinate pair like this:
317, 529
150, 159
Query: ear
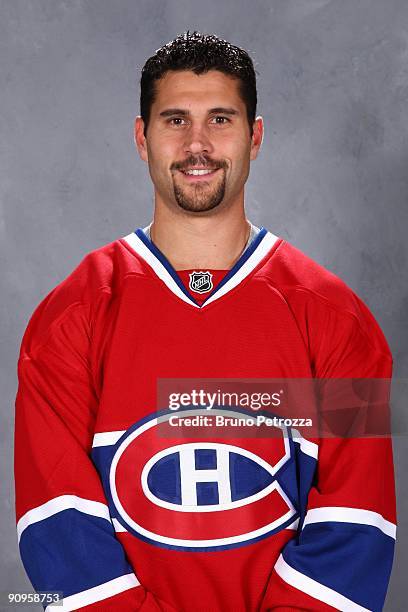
139, 137
257, 137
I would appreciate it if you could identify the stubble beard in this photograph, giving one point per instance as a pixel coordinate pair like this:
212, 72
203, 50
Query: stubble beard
200, 197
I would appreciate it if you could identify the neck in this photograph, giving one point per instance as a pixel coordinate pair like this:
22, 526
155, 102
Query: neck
214, 242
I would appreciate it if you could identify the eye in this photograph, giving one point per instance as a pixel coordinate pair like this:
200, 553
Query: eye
220, 120
176, 121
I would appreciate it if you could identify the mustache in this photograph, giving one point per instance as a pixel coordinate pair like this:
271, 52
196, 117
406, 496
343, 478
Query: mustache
198, 160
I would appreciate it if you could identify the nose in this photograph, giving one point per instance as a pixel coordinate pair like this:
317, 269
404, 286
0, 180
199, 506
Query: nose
197, 140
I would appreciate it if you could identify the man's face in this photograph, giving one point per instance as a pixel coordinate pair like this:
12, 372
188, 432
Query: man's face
198, 144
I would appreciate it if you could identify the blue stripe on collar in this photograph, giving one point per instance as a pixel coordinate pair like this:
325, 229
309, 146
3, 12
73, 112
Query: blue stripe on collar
244, 257
165, 262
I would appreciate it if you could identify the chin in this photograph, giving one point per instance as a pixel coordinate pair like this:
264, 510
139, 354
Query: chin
197, 209
195, 206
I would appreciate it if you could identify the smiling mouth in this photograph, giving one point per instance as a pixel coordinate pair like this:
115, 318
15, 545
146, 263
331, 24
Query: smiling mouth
199, 173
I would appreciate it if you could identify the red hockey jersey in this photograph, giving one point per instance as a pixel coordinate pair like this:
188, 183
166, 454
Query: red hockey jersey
118, 517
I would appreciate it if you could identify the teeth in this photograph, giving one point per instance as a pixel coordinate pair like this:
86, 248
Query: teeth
198, 172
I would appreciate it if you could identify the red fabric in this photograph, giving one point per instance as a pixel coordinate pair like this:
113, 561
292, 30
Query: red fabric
90, 361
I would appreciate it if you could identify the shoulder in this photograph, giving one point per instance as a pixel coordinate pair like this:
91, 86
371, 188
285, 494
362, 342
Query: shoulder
318, 297
294, 271
79, 299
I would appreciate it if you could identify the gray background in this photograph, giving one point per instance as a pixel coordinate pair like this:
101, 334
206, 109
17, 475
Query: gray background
332, 177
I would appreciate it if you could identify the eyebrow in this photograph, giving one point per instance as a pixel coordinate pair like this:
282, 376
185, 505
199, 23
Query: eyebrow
169, 112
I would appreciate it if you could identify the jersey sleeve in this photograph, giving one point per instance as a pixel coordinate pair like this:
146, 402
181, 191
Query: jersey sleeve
66, 538
342, 556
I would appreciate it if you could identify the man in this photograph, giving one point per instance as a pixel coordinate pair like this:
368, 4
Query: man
119, 517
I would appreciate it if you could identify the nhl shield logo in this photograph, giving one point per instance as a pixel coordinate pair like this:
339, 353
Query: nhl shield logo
201, 282
195, 495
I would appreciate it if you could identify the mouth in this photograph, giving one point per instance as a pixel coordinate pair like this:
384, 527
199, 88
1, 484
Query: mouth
199, 174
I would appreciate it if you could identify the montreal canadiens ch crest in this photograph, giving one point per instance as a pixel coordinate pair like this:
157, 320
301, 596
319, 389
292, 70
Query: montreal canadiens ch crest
193, 494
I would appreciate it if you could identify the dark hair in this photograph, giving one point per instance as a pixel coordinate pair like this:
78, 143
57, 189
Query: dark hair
199, 53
